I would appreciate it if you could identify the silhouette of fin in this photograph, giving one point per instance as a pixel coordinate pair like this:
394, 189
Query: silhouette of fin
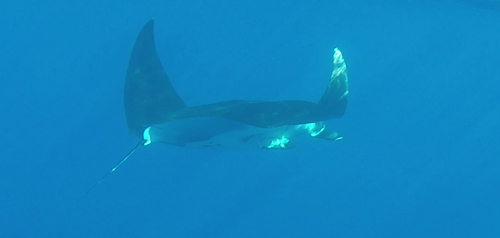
148, 93
334, 100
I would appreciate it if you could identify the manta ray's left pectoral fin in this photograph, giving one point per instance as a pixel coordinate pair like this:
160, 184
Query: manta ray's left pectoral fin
334, 100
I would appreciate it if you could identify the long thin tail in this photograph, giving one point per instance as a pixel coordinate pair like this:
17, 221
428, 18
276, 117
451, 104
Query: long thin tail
141, 142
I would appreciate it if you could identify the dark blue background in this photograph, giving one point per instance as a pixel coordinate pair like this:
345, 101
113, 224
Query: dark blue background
421, 151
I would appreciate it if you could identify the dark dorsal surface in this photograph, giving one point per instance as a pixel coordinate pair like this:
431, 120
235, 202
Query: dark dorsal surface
148, 93
259, 113
150, 98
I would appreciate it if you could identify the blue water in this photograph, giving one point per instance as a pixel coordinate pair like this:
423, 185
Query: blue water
420, 156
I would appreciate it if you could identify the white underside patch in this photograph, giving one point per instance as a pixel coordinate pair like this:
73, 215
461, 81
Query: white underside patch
219, 133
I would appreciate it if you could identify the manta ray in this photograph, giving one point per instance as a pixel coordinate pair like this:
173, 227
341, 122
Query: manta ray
155, 112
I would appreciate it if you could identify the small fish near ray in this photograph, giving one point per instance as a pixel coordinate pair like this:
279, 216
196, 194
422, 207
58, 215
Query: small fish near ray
155, 112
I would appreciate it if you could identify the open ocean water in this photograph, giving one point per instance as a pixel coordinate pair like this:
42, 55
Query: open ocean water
420, 155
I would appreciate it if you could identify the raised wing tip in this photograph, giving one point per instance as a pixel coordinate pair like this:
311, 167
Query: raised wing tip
148, 93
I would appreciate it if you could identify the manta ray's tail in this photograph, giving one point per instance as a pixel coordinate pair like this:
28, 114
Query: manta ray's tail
334, 100
141, 142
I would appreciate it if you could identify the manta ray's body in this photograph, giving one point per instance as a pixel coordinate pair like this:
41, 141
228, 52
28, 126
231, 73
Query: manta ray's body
155, 112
